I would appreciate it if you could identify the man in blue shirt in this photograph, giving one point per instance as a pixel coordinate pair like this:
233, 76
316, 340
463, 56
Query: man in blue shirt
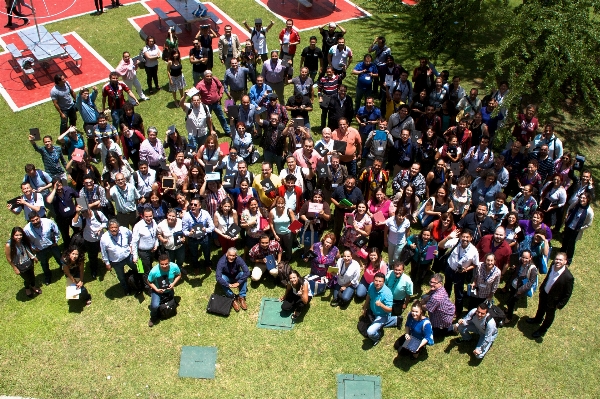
115, 246
259, 92
235, 80
367, 116
367, 72
232, 272
43, 234
161, 279
378, 304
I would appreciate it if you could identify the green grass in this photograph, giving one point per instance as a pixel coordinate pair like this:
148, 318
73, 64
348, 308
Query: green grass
47, 351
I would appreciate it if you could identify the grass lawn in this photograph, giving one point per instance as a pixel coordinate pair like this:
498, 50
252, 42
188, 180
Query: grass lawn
48, 350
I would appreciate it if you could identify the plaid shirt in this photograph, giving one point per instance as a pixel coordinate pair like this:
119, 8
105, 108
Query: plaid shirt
486, 282
440, 309
257, 252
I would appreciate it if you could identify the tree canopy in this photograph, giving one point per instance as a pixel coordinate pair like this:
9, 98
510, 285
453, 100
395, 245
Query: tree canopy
545, 49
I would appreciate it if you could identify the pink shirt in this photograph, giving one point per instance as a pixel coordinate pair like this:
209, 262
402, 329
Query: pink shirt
301, 160
369, 273
383, 208
352, 139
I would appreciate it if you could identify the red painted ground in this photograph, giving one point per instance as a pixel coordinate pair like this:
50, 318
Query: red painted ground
321, 13
410, 2
91, 70
149, 25
54, 10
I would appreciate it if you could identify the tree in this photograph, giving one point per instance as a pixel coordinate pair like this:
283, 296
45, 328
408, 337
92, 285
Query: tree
545, 49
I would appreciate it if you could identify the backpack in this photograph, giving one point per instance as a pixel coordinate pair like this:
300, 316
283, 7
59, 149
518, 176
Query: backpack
364, 322
379, 144
168, 306
497, 314
40, 176
284, 270
132, 282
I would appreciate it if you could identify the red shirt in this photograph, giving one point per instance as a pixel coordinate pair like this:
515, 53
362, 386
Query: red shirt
502, 252
210, 94
116, 100
294, 37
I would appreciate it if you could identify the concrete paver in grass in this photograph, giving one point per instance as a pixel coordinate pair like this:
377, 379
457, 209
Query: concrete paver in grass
198, 362
351, 386
272, 317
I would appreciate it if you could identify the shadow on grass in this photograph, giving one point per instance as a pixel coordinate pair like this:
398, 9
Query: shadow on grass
404, 362
76, 305
528, 329
22, 297
194, 281
465, 348
114, 292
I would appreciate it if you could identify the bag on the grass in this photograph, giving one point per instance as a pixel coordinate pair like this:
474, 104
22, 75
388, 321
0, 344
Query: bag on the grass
168, 306
497, 314
132, 282
219, 304
364, 322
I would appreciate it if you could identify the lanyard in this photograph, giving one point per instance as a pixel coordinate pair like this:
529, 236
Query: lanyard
117, 243
125, 197
145, 179
151, 230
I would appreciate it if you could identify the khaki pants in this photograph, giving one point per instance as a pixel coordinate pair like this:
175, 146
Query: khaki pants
259, 269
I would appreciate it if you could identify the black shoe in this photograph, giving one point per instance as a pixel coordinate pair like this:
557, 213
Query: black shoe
94, 275
150, 323
46, 282
334, 303
538, 334
532, 320
25, 21
375, 343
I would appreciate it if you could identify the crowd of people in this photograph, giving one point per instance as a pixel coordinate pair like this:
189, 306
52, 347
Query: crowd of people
424, 154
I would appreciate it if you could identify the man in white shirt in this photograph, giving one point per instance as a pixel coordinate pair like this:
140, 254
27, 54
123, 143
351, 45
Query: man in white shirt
555, 146
555, 292
28, 203
144, 240
463, 258
115, 246
93, 223
479, 157
198, 122
43, 234
294, 169
144, 179
125, 197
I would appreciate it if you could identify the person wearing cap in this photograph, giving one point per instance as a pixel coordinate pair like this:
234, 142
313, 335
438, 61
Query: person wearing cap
205, 37
312, 58
275, 73
330, 39
229, 47
211, 91
340, 57
235, 81
300, 106
258, 35
199, 60
289, 38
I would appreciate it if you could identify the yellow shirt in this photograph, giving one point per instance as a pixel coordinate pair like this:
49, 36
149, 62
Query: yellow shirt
266, 201
391, 107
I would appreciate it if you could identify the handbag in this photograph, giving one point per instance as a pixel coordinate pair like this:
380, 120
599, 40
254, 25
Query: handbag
406, 254
219, 305
24, 266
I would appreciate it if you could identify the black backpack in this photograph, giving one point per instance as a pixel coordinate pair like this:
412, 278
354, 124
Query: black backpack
497, 314
132, 282
168, 306
283, 272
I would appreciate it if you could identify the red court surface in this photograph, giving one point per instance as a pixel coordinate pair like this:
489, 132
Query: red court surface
54, 10
149, 25
20, 94
321, 13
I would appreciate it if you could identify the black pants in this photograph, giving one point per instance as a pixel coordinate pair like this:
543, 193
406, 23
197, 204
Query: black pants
11, 10
28, 277
99, 5
324, 112
146, 256
376, 239
286, 244
64, 226
69, 120
512, 300
456, 280
293, 302
568, 243
544, 310
92, 249
152, 74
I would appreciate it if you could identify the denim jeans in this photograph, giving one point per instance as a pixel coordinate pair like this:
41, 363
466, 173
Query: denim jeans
218, 110
116, 115
351, 166
394, 251
154, 304
345, 296
360, 93
44, 258
465, 331
197, 141
362, 288
242, 287
204, 244
380, 322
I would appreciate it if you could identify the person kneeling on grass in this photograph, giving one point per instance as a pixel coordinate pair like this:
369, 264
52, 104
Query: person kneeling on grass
347, 279
259, 252
418, 328
232, 272
297, 295
161, 279
72, 264
379, 305
479, 322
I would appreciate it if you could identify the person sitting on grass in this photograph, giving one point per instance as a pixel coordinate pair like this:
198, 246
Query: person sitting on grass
478, 321
417, 327
297, 295
347, 279
72, 264
232, 272
161, 279
378, 304
259, 252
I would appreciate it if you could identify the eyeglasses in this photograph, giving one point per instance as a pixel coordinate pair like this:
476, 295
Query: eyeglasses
434, 282
194, 205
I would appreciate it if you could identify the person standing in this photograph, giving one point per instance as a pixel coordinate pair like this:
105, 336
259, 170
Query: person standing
199, 59
113, 90
330, 38
312, 58
353, 145
197, 216
63, 98
463, 258
124, 196
43, 234
275, 73
258, 35
52, 157
205, 37
235, 81
11, 11
152, 54
175, 73
144, 241
127, 69
211, 91
289, 38
115, 246
340, 57
439, 307
555, 292
20, 257
229, 47
580, 216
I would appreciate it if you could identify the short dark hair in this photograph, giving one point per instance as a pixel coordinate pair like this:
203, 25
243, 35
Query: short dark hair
379, 275
162, 257
483, 306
